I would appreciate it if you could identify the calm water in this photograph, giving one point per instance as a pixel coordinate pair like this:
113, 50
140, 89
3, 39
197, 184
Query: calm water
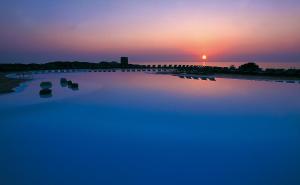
136, 128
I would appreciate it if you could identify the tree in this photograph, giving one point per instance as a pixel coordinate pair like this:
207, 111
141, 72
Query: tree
249, 67
232, 68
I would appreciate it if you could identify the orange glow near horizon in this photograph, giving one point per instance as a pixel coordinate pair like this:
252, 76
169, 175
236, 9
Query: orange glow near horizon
163, 30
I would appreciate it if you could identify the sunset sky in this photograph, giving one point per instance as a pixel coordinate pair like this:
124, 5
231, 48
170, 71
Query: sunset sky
149, 30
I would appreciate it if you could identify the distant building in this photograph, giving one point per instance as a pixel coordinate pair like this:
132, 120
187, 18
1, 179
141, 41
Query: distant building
124, 61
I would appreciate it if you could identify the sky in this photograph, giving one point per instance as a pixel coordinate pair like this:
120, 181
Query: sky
149, 30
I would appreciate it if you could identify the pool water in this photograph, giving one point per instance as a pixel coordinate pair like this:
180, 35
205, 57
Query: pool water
139, 128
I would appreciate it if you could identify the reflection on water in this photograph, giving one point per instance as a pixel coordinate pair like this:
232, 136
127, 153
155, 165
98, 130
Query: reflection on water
46, 91
63, 82
47, 95
137, 128
255, 78
196, 77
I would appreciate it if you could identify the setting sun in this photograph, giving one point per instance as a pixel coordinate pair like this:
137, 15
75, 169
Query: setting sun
204, 57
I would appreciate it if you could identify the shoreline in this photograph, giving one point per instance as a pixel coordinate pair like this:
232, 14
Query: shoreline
236, 76
258, 77
7, 84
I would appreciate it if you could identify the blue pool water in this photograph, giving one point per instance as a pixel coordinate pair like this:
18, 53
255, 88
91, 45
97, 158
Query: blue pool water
137, 128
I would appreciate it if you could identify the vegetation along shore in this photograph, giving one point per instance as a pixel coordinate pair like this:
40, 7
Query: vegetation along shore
249, 69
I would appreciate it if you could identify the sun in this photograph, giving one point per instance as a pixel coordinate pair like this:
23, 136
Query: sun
204, 57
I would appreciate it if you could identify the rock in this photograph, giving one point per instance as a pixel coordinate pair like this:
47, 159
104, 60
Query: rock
46, 85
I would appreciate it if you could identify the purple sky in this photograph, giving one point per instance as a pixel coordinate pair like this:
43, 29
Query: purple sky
149, 30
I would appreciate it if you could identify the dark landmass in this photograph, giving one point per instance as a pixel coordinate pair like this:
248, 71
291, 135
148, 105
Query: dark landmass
61, 65
249, 69
8, 84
